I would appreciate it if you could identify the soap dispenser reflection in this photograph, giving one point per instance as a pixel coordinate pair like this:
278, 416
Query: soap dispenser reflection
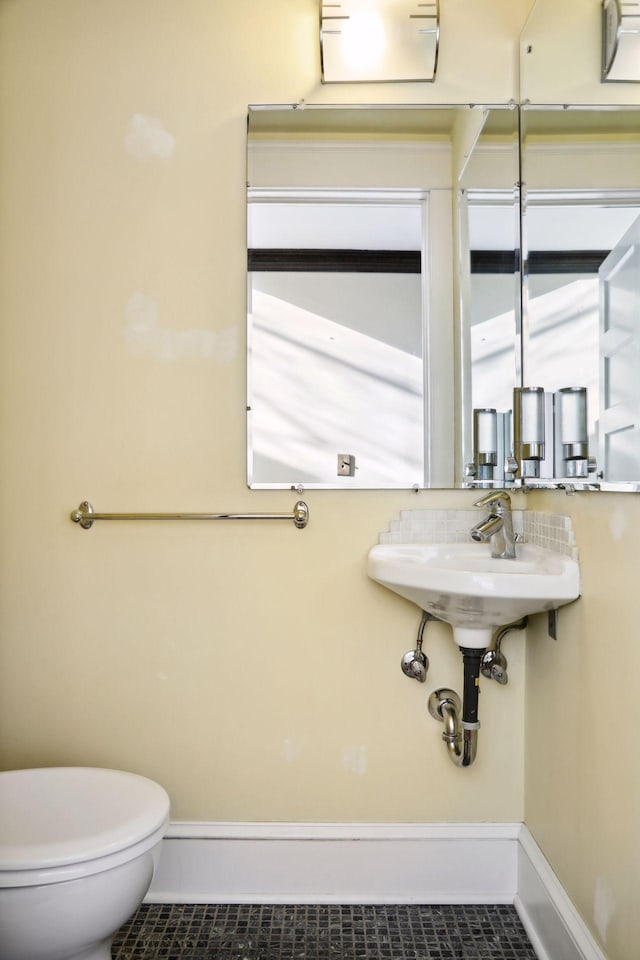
485, 442
528, 429
571, 433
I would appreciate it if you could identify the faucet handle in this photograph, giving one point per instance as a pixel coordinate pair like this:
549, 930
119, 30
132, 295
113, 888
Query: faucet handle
494, 497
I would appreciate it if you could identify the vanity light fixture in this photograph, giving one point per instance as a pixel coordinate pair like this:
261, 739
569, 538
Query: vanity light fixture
621, 41
378, 40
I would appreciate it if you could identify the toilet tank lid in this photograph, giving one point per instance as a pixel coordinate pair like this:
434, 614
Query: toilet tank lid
52, 816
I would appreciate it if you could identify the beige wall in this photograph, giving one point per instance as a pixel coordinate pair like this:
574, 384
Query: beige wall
582, 781
252, 669
561, 55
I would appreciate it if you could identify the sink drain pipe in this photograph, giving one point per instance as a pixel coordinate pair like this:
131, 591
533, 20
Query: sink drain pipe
460, 734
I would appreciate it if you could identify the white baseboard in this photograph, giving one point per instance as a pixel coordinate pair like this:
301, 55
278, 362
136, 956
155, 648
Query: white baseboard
554, 926
337, 863
374, 863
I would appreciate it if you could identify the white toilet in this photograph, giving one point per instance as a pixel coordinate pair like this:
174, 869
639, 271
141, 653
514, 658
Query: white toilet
78, 847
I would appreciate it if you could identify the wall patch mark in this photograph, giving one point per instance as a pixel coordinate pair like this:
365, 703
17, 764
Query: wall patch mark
147, 139
146, 338
354, 759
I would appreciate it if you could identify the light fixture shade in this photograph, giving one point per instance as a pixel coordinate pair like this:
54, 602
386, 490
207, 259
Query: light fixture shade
620, 41
378, 40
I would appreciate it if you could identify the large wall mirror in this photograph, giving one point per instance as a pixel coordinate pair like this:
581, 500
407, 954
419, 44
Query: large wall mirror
581, 260
383, 291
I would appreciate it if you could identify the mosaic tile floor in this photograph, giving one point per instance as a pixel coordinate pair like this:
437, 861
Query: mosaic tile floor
248, 932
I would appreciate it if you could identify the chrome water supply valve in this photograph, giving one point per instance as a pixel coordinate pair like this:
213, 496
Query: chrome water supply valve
494, 663
415, 663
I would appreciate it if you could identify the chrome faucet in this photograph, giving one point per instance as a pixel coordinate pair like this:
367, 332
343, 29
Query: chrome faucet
498, 526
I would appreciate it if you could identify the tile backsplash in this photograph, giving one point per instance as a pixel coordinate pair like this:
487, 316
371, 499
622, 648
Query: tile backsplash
553, 531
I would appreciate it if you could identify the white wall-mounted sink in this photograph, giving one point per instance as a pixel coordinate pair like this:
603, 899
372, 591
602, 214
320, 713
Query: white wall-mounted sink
462, 584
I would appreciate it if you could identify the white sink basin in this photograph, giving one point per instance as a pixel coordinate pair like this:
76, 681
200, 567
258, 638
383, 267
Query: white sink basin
462, 584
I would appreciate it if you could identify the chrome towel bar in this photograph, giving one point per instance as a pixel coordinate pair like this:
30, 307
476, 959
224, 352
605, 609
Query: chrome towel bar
85, 515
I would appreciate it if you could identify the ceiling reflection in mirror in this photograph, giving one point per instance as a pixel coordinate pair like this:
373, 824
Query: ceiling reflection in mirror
373, 325
581, 275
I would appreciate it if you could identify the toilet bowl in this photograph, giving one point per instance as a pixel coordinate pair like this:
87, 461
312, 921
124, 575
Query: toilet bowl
78, 847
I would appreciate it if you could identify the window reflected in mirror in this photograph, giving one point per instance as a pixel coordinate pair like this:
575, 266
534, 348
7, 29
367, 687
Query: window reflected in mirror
372, 326
336, 337
581, 243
